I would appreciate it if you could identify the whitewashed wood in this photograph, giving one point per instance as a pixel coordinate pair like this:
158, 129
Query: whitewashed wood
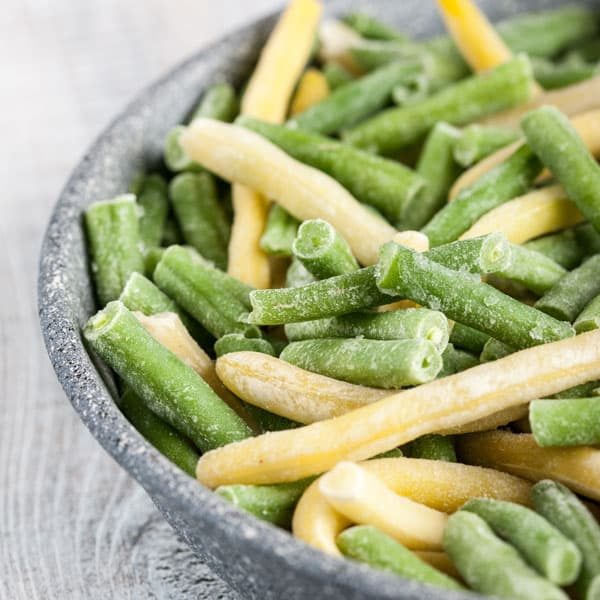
72, 523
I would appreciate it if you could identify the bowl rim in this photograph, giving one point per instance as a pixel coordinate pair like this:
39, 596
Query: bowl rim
90, 396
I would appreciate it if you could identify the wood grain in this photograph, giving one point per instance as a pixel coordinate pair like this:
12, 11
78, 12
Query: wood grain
72, 523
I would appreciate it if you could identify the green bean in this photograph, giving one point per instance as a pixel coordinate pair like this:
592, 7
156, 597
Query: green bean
326, 298
374, 54
393, 453
541, 33
268, 421
437, 167
168, 387
230, 285
561, 149
491, 566
588, 238
355, 100
404, 272
199, 289
567, 422
201, 218
547, 33
440, 66
277, 341
336, 75
565, 511
161, 435
443, 44
504, 182
142, 295
478, 141
570, 295
456, 360
297, 275
533, 270
511, 288
279, 233
495, 350
377, 363
413, 91
373, 547
322, 250
238, 342
175, 156
372, 28
151, 259
508, 85
384, 184
562, 247
579, 391
411, 323
593, 589
552, 75
489, 253
220, 103
354, 291
587, 51
589, 318
114, 244
236, 288
272, 503
171, 232
432, 447
542, 545
468, 338
151, 195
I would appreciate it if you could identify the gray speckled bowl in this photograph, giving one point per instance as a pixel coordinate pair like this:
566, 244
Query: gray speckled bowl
258, 560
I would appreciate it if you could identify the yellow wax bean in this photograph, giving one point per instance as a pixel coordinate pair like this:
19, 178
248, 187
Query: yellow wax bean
499, 419
281, 62
316, 522
577, 467
313, 88
440, 485
530, 216
476, 38
364, 499
267, 97
242, 156
306, 397
400, 418
289, 391
479, 43
412, 239
247, 260
446, 486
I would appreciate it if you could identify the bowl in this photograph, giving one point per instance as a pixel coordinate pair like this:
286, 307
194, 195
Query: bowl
258, 560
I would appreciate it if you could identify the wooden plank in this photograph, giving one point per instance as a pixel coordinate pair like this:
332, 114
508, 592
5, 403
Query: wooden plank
72, 523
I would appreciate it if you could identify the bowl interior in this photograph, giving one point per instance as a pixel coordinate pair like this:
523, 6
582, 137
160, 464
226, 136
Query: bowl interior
257, 559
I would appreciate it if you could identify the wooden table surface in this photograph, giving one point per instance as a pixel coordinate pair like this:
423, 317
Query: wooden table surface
72, 523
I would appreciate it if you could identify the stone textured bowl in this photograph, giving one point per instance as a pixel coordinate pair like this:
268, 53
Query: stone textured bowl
260, 561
